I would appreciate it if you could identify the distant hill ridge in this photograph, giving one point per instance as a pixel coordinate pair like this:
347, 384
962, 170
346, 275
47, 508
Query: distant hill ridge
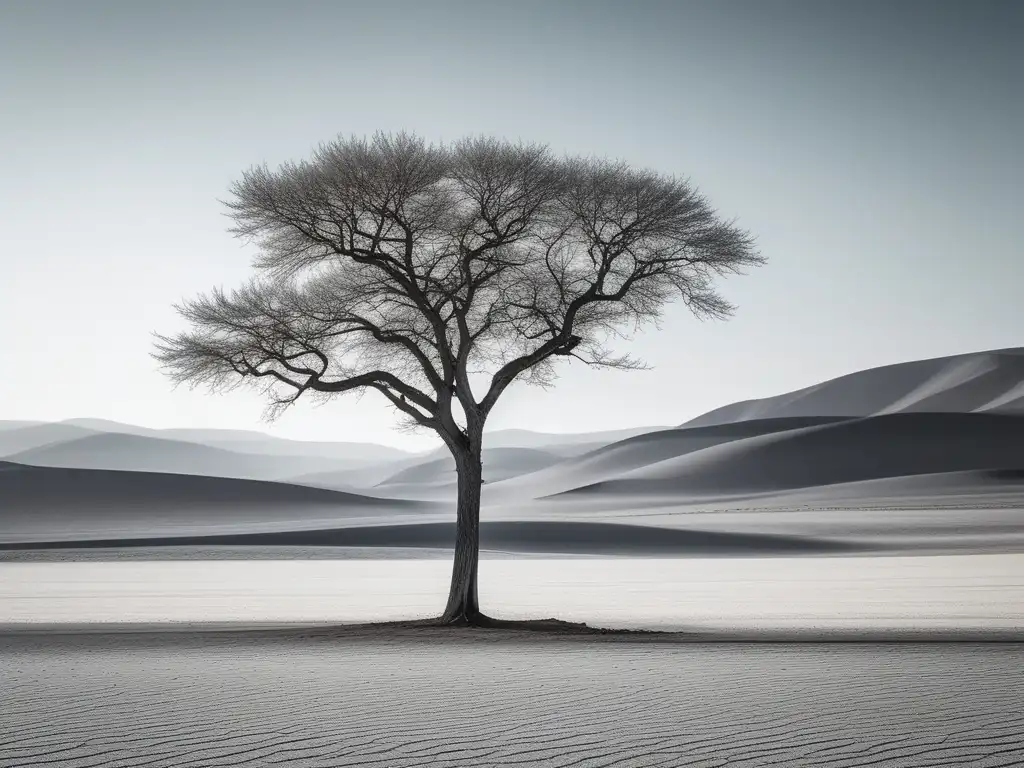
927, 418
981, 382
850, 450
107, 445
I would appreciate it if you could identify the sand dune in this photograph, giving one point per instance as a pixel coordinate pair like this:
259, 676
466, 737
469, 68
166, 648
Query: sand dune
27, 437
813, 449
498, 464
23, 436
17, 424
348, 453
979, 484
558, 442
611, 461
102, 444
197, 434
891, 445
36, 487
426, 477
396, 699
978, 382
776, 464
360, 479
517, 536
563, 444
251, 441
74, 503
149, 454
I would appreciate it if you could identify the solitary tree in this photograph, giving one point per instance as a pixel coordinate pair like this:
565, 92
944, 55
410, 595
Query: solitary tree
407, 268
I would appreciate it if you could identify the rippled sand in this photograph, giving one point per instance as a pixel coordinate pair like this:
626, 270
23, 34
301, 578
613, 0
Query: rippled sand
472, 698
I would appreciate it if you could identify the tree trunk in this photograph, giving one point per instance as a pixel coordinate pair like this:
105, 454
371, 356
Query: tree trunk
463, 606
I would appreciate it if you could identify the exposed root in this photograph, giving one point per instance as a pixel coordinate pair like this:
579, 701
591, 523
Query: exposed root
482, 621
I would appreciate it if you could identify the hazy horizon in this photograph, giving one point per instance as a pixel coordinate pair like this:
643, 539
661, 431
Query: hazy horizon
872, 149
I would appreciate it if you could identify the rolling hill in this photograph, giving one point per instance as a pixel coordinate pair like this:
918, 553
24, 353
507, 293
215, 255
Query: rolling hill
611, 461
86, 503
982, 382
119, 451
498, 464
920, 430
242, 441
874, 447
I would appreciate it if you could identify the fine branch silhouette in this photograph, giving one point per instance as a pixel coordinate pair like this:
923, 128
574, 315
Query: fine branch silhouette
413, 269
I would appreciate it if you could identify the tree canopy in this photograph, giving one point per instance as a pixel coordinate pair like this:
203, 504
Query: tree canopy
404, 267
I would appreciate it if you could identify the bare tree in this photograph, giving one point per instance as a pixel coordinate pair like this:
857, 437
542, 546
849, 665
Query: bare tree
407, 268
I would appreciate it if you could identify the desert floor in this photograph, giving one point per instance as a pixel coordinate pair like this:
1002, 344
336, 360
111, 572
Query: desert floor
870, 596
426, 697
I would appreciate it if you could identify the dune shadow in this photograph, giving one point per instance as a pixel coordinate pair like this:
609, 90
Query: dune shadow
549, 537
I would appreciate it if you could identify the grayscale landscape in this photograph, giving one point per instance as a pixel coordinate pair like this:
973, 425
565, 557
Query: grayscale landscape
895, 519
581, 384
925, 456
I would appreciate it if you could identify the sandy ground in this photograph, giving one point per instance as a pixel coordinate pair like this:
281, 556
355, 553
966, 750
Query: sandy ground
473, 698
980, 593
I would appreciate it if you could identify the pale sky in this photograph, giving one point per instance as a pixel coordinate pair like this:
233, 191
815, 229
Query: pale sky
873, 147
